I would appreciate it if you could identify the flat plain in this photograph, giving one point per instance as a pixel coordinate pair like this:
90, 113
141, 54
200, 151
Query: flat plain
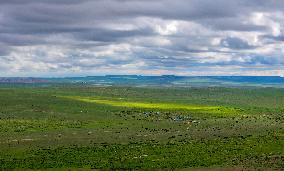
73, 127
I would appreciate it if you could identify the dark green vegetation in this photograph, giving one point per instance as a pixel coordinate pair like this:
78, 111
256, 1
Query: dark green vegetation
124, 128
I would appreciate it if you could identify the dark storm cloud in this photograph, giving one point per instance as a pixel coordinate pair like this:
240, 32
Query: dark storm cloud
4, 50
20, 40
264, 5
17, 2
234, 24
65, 16
275, 38
159, 33
107, 35
235, 43
45, 16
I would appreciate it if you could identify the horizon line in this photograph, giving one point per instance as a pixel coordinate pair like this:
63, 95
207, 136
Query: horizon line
142, 76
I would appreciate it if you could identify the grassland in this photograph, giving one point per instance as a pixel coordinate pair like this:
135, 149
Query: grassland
158, 106
127, 128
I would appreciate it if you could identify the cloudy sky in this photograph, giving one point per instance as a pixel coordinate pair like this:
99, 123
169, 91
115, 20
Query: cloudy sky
148, 37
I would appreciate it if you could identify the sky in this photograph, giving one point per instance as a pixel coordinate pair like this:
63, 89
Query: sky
54, 38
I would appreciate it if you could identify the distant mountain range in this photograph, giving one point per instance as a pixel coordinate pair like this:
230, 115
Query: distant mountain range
22, 80
164, 80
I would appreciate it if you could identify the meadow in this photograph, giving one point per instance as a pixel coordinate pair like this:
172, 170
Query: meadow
81, 127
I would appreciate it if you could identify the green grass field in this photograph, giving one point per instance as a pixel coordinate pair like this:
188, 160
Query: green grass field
126, 128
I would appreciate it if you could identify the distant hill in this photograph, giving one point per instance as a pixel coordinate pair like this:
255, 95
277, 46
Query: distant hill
164, 80
22, 80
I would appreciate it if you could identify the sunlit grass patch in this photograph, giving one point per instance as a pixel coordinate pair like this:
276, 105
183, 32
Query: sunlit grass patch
161, 106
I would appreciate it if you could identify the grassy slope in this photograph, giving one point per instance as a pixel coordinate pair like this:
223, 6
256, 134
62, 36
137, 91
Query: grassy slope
37, 124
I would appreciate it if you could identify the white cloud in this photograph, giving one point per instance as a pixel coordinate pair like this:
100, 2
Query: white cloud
141, 37
265, 19
168, 28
